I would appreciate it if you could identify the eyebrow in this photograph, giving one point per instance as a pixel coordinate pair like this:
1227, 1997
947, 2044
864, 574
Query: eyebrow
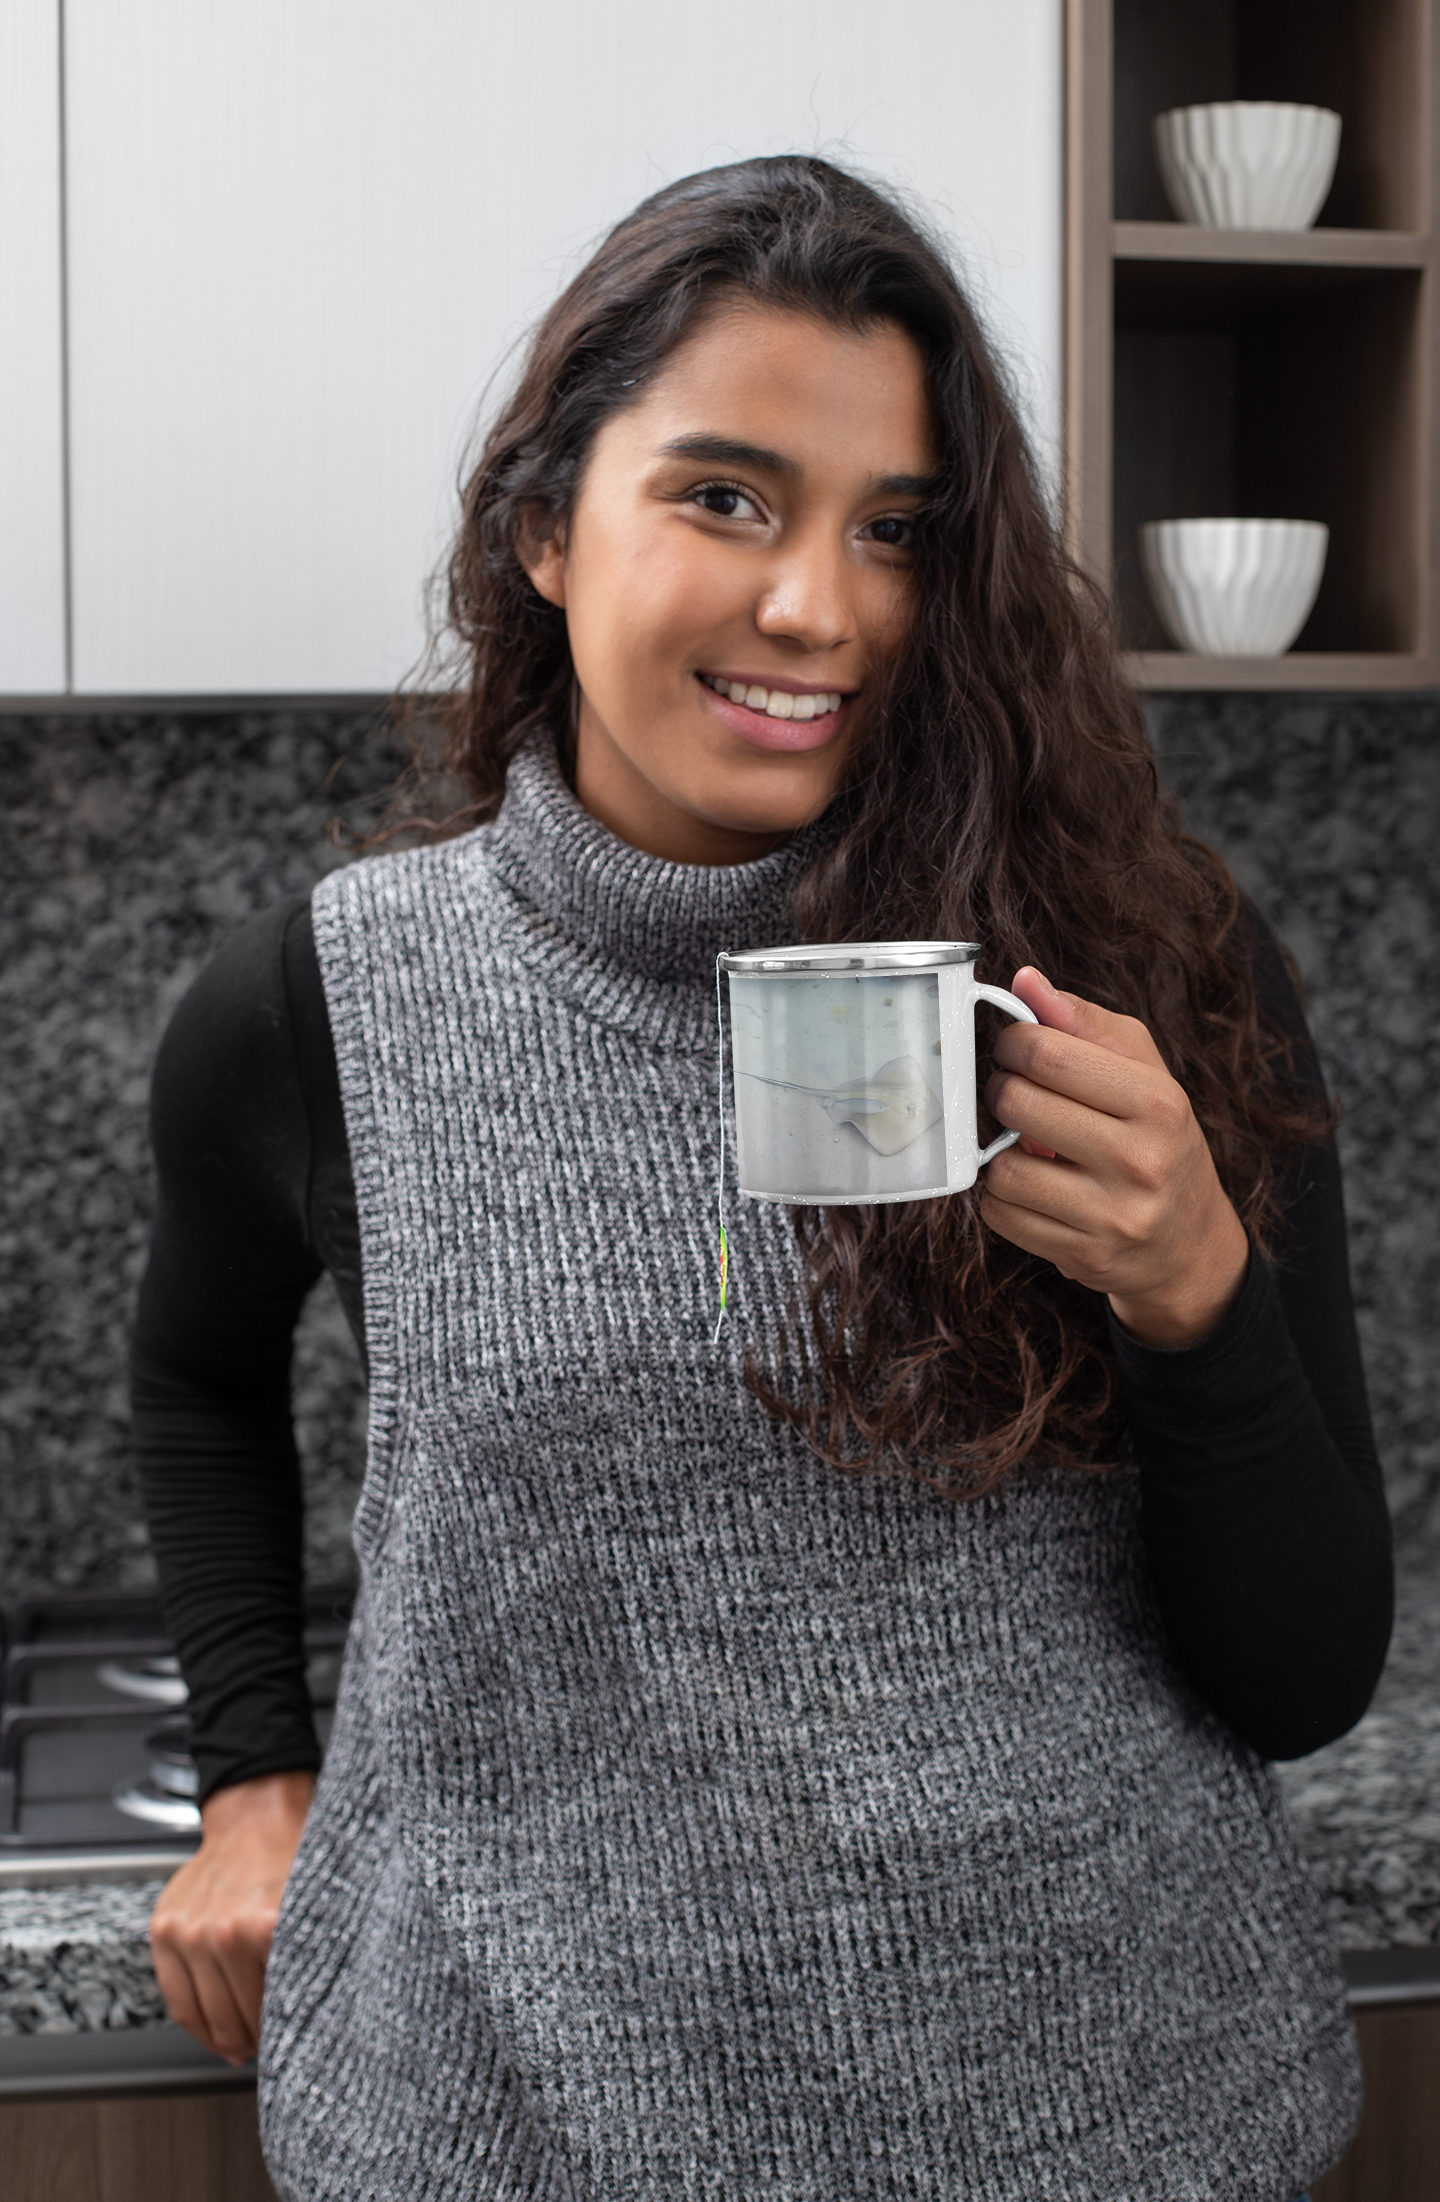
729, 451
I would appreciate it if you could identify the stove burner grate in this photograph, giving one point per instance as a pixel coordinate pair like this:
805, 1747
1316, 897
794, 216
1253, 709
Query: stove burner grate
156, 1681
166, 1796
83, 1763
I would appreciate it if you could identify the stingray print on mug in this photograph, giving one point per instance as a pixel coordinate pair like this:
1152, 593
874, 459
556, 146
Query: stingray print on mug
854, 1070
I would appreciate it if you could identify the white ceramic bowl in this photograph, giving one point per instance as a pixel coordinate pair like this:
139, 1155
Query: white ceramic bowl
1234, 588
1247, 163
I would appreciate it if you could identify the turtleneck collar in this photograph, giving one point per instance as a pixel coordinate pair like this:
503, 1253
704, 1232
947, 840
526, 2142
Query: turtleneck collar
632, 937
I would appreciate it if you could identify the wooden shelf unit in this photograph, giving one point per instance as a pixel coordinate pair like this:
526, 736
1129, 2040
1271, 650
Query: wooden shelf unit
1273, 374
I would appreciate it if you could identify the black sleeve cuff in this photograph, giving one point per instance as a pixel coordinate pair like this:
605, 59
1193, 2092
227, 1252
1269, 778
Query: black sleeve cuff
1241, 1344
293, 1754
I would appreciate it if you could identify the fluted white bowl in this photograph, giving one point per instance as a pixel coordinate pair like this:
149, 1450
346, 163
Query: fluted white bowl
1234, 588
1247, 163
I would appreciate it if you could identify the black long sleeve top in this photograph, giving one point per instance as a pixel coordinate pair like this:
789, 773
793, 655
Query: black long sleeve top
1264, 1510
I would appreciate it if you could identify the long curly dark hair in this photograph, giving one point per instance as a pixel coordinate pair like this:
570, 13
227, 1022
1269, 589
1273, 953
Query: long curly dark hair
1004, 791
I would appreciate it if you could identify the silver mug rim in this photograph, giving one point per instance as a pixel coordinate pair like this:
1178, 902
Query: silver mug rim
894, 956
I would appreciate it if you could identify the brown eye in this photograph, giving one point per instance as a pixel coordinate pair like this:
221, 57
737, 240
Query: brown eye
725, 500
892, 533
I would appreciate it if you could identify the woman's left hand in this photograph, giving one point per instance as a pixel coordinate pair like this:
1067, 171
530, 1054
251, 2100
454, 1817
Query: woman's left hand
1113, 1181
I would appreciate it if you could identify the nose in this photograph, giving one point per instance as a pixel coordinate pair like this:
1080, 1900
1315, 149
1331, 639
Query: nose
808, 597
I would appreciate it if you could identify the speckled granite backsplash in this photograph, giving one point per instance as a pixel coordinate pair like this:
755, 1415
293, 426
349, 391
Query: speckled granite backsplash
133, 845
131, 848
1328, 809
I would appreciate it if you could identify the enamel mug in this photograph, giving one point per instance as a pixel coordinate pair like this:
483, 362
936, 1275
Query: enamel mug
854, 1070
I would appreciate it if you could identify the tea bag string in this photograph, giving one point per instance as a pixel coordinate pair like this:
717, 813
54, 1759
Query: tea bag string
720, 1181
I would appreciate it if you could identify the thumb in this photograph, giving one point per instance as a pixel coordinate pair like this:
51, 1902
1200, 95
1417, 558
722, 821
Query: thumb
1086, 1020
1049, 1004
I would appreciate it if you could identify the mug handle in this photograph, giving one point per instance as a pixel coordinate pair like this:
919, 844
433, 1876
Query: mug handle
1013, 1007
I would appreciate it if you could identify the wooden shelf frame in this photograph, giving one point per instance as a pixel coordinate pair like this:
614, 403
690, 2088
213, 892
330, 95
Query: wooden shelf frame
1303, 248
1132, 277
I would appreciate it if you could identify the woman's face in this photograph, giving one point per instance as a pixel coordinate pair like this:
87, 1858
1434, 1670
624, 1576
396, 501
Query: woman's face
735, 572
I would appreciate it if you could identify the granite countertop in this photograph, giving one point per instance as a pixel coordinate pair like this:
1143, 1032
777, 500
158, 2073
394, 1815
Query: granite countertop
74, 1960
77, 1960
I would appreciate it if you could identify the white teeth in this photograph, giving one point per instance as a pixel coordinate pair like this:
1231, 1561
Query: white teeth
776, 703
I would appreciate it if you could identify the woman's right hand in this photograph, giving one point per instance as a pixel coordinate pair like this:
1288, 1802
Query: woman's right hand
210, 1932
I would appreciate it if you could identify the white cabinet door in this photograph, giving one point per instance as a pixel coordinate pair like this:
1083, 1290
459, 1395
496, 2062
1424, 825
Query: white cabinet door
304, 233
32, 464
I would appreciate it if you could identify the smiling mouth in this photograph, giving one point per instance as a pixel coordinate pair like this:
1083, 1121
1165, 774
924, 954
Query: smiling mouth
776, 703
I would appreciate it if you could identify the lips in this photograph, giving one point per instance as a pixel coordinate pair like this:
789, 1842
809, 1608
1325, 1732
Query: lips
776, 718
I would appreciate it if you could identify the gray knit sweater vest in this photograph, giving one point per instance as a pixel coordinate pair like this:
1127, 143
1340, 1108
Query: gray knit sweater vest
700, 1821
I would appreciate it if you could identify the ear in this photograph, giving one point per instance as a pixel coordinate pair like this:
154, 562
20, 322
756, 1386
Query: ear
540, 547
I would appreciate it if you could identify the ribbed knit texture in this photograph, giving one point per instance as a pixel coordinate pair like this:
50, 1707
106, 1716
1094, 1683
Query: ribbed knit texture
699, 1821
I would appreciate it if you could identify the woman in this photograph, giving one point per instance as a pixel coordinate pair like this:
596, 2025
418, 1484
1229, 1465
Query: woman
829, 1762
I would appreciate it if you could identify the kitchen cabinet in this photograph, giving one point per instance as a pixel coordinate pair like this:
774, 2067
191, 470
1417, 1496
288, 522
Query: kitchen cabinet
32, 457
1259, 373
299, 241
1396, 2156
193, 2147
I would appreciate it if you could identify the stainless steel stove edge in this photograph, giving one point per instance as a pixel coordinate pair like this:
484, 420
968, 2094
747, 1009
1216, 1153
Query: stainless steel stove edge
139, 2060
58, 1869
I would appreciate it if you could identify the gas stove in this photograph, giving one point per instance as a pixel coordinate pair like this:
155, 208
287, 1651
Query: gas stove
94, 1738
